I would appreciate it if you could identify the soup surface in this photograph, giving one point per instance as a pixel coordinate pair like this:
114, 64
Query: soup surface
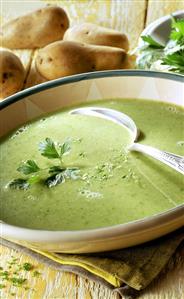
113, 186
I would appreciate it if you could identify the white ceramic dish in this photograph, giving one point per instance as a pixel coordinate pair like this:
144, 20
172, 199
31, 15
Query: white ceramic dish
50, 96
160, 28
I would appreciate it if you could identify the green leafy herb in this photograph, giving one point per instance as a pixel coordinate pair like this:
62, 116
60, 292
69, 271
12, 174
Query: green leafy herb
4, 275
151, 42
175, 61
28, 167
49, 176
152, 55
21, 184
27, 266
55, 180
2, 286
17, 281
65, 148
48, 149
36, 273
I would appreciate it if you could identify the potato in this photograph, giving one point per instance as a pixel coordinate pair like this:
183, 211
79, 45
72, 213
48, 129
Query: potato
97, 35
64, 58
12, 74
36, 29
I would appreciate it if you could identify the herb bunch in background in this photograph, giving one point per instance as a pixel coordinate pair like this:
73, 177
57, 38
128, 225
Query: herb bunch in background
152, 55
49, 176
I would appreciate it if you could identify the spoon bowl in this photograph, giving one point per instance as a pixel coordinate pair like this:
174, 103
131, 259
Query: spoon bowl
174, 161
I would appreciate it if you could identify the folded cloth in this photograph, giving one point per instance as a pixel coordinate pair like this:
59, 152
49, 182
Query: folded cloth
127, 271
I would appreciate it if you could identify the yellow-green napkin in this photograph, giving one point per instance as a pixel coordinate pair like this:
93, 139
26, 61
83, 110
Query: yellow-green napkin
127, 271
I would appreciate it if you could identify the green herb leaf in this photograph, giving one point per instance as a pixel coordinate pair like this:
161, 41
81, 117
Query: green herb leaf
22, 184
17, 281
65, 148
4, 275
28, 167
2, 286
48, 149
149, 40
175, 61
177, 31
27, 266
54, 180
36, 273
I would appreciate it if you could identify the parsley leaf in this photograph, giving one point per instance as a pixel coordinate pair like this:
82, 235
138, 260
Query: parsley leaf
48, 149
27, 266
65, 148
175, 61
149, 40
54, 180
21, 184
177, 31
28, 167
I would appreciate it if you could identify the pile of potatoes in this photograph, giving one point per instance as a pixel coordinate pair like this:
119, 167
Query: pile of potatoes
63, 51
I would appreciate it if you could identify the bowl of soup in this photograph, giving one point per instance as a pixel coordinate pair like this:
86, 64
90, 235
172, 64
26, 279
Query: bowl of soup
68, 182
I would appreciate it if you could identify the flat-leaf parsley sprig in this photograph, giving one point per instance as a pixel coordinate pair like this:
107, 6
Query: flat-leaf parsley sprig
49, 176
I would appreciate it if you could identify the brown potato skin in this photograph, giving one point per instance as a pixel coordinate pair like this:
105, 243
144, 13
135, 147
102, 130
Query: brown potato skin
36, 29
64, 58
12, 74
97, 35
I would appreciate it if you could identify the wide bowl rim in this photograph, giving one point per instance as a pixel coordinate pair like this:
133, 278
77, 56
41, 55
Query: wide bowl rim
87, 76
131, 227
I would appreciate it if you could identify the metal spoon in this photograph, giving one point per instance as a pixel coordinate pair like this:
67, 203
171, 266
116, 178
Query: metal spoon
172, 160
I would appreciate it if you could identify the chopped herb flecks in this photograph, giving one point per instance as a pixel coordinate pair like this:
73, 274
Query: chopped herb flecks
27, 266
17, 281
15, 277
2, 286
36, 273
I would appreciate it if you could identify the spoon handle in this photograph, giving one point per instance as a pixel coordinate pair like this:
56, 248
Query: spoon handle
172, 160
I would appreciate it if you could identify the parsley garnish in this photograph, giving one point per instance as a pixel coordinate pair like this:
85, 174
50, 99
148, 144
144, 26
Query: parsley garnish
49, 176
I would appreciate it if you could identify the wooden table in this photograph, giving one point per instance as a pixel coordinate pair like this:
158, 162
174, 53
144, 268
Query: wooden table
130, 16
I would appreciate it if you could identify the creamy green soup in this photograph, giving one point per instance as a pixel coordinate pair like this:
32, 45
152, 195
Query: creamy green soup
113, 186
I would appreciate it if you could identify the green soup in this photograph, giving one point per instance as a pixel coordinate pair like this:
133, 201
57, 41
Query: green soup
115, 186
